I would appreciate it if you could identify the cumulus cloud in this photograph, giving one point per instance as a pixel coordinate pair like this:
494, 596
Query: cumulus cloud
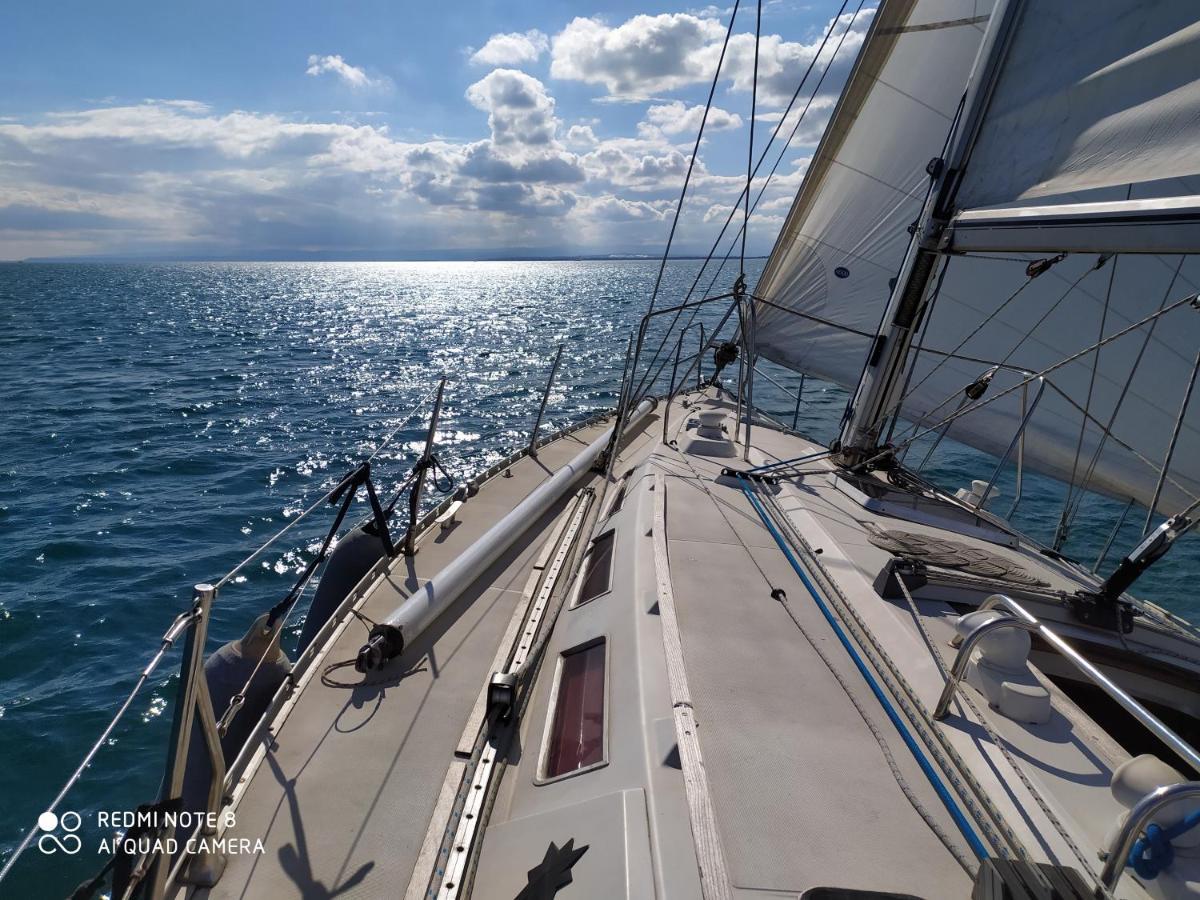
520, 111
181, 177
581, 136
647, 56
512, 49
637, 164
638, 58
679, 118
335, 65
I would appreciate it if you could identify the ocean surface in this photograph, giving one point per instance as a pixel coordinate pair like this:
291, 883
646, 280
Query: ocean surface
159, 421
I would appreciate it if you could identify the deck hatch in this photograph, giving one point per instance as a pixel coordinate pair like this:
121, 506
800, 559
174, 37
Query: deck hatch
597, 569
576, 737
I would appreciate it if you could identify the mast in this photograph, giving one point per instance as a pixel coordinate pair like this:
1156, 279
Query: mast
882, 376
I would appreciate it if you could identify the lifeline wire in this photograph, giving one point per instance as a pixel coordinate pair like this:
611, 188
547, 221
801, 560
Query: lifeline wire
695, 152
762, 158
253, 556
177, 628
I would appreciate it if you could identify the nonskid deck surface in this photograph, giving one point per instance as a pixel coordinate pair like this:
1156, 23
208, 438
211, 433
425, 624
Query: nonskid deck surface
803, 791
343, 799
1069, 761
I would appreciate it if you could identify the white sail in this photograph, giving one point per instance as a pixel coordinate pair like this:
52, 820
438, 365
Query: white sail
848, 232
1139, 383
845, 235
1088, 96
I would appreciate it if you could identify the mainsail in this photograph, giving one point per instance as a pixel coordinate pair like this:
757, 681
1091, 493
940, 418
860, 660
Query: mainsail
1088, 121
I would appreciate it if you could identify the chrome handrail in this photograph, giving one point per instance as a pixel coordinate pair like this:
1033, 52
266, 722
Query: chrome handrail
959, 669
1019, 617
1137, 820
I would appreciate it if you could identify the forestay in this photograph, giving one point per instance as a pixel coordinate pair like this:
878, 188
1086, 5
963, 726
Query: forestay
845, 235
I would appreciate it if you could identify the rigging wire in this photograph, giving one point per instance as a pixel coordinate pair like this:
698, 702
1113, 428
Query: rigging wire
774, 134
750, 141
1124, 445
1060, 533
645, 381
1003, 362
1166, 465
695, 153
1031, 274
1190, 299
1087, 478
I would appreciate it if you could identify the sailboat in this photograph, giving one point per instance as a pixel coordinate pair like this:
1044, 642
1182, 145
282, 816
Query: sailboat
680, 650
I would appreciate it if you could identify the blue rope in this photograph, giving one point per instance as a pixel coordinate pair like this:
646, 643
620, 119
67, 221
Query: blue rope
922, 760
1153, 853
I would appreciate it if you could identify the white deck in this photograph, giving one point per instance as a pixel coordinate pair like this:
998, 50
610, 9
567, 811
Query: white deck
354, 794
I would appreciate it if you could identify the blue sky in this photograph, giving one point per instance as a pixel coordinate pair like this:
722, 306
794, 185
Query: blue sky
381, 130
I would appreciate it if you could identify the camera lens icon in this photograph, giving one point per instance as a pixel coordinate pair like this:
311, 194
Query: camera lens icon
69, 822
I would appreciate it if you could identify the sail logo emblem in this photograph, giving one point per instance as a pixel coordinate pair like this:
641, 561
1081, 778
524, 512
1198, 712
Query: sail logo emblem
50, 843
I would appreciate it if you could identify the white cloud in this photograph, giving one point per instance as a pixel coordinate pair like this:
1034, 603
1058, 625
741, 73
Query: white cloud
520, 111
647, 56
335, 65
179, 177
679, 118
639, 58
581, 136
637, 164
512, 49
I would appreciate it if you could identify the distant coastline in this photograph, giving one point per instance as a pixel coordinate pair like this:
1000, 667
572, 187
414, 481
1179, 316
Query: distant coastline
443, 256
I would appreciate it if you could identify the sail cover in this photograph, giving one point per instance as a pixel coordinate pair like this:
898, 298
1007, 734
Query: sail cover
1089, 97
845, 235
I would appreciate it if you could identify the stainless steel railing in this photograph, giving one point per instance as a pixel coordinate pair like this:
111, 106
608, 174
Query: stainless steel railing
1016, 616
798, 393
1138, 819
1019, 617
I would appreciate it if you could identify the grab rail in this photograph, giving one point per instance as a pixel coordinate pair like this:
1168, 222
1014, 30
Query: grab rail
1019, 617
1137, 820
